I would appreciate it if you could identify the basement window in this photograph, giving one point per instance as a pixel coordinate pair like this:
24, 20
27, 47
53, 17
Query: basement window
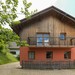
31, 55
49, 54
67, 55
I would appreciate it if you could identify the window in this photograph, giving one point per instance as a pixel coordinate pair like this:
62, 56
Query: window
31, 55
43, 39
39, 39
67, 55
62, 36
13, 52
49, 54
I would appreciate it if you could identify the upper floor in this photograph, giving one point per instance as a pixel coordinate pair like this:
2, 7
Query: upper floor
50, 27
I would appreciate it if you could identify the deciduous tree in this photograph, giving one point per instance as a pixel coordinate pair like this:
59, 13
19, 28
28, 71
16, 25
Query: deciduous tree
8, 10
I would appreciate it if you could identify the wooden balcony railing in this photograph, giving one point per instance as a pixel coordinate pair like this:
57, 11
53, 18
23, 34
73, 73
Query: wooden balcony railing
51, 41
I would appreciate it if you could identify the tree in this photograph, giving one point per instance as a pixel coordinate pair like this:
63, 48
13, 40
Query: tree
6, 36
8, 10
25, 9
3, 47
8, 13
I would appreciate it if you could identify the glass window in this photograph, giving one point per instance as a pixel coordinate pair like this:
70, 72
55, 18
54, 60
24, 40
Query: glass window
49, 54
31, 55
62, 36
67, 55
39, 35
39, 44
46, 35
43, 39
46, 41
13, 52
39, 39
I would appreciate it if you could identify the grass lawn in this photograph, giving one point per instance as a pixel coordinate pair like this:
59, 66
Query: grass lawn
7, 58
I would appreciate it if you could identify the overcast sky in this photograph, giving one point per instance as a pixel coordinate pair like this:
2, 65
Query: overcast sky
67, 6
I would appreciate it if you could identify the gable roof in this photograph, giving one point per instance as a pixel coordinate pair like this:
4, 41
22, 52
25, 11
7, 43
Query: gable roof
67, 18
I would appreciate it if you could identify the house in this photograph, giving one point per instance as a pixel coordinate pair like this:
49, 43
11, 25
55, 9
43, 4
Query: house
51, 37
14, 49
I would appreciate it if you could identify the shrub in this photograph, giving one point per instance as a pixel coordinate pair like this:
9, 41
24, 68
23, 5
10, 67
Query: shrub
3, 47
22, 43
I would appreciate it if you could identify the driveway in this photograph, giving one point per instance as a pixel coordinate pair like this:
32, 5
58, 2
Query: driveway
15, 69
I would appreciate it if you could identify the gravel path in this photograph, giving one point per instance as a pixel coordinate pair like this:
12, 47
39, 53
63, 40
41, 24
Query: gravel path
15, 69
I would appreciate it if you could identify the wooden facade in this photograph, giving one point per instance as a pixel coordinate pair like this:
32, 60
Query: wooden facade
52, 23
49, 24
51, 20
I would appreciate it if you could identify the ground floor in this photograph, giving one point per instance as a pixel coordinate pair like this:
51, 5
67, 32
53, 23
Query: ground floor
47, 55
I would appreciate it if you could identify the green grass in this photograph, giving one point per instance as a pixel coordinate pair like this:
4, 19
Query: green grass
8, 58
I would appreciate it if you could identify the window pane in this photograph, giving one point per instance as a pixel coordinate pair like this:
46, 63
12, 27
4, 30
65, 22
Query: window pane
67, 55
49, 54
62, 36
13, 52
39, 39
42, 39
39, 43
39, 35
46, 44
46, 39
46, 35
31, 55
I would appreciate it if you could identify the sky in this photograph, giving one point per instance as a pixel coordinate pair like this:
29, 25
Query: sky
67, 6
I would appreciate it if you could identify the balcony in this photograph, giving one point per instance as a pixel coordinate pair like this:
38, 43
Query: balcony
51, 41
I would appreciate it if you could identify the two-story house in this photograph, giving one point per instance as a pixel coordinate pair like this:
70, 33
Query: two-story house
51, 37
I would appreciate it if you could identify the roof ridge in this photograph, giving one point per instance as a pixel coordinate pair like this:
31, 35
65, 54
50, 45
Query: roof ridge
49, 8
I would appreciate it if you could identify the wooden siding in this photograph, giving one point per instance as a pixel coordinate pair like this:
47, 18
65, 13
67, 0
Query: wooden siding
52, 24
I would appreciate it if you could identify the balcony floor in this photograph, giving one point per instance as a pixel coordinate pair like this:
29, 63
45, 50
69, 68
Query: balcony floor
54, 46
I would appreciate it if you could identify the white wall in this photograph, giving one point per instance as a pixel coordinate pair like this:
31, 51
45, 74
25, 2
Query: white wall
17, 52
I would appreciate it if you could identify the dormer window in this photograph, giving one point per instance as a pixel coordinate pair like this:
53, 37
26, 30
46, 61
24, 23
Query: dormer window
62, 36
